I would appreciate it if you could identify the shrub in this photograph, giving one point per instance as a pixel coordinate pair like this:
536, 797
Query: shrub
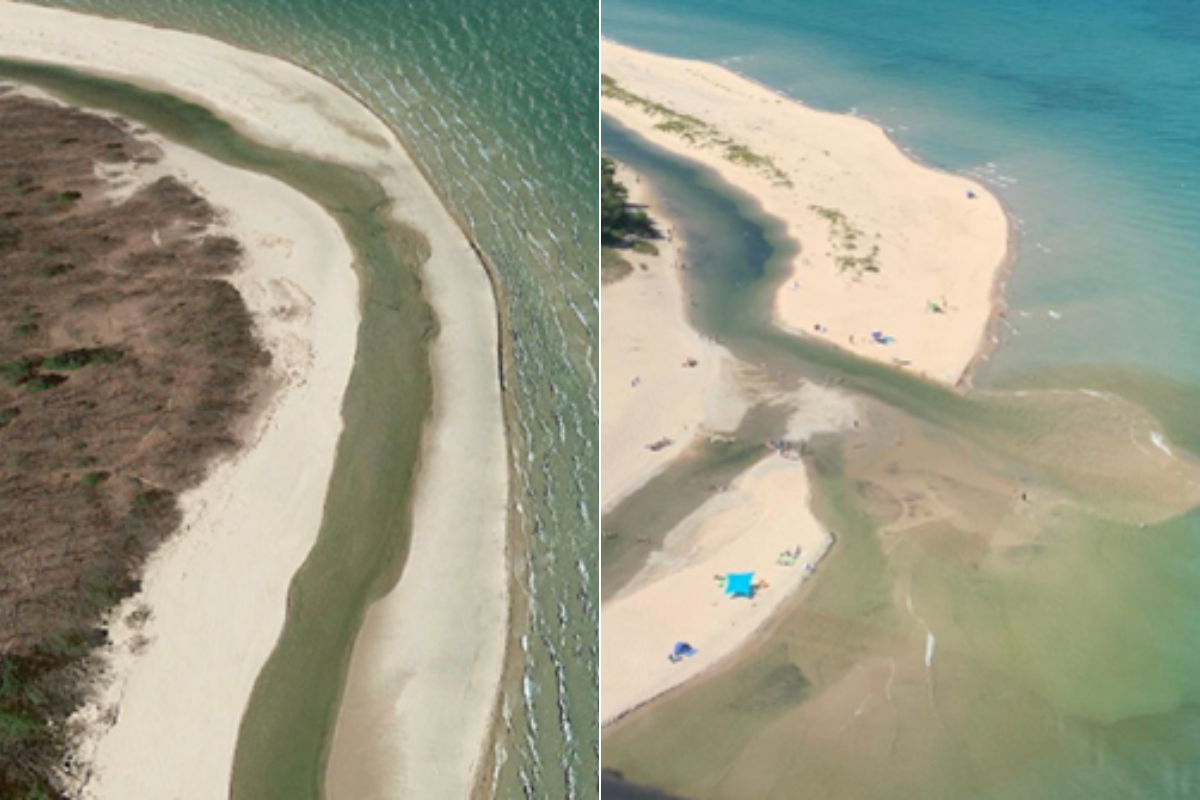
93, 479
43, 383
17, 372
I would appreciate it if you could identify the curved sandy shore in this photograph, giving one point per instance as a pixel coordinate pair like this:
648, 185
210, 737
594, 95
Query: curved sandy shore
882, 237
451, 671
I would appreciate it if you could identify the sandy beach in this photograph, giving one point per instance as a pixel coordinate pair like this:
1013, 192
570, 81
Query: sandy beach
211, 636
897, 262
649, 393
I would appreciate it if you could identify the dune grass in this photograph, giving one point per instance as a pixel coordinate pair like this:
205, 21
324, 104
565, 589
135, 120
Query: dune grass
695, 131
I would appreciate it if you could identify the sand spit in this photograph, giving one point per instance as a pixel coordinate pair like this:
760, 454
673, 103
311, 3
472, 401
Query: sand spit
887, 245
451, 670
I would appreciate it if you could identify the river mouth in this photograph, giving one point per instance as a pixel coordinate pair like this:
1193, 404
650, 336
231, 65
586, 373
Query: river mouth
364, 538
1008, 610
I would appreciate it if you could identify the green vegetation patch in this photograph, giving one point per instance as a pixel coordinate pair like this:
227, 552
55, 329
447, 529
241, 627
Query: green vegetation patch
93, 479
78, 359
696, 131
30, 372
55, 270
846, 239
15, 373
43, 383
613, 268
622, 227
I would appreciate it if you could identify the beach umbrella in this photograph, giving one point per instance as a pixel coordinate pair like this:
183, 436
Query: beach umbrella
739, 584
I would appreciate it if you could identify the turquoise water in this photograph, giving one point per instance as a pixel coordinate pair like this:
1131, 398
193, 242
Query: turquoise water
1082, 116
497, 103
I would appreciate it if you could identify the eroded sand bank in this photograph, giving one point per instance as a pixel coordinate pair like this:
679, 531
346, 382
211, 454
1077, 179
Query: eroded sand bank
662, 379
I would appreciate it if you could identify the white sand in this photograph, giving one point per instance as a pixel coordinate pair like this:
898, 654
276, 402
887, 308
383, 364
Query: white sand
452, 670
934, 243
647, 393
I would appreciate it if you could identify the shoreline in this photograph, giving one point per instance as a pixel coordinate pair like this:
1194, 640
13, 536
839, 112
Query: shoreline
718, 406
682, 93
747, 525
261, 102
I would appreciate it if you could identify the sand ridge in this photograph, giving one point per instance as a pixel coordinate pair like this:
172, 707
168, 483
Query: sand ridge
887, 245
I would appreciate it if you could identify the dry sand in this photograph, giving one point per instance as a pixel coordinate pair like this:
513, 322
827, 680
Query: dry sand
451, 670
934, 244
645, 337
647, 392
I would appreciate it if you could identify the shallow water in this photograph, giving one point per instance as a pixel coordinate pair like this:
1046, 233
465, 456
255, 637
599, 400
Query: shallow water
959, 642
497, 104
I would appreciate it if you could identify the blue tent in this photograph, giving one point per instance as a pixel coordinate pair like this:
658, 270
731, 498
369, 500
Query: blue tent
683, 650
739, 584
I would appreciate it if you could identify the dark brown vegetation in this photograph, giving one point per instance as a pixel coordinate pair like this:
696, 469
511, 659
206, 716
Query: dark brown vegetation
126, 366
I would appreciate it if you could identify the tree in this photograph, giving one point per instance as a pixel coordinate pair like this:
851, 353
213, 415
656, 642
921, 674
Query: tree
617, 220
